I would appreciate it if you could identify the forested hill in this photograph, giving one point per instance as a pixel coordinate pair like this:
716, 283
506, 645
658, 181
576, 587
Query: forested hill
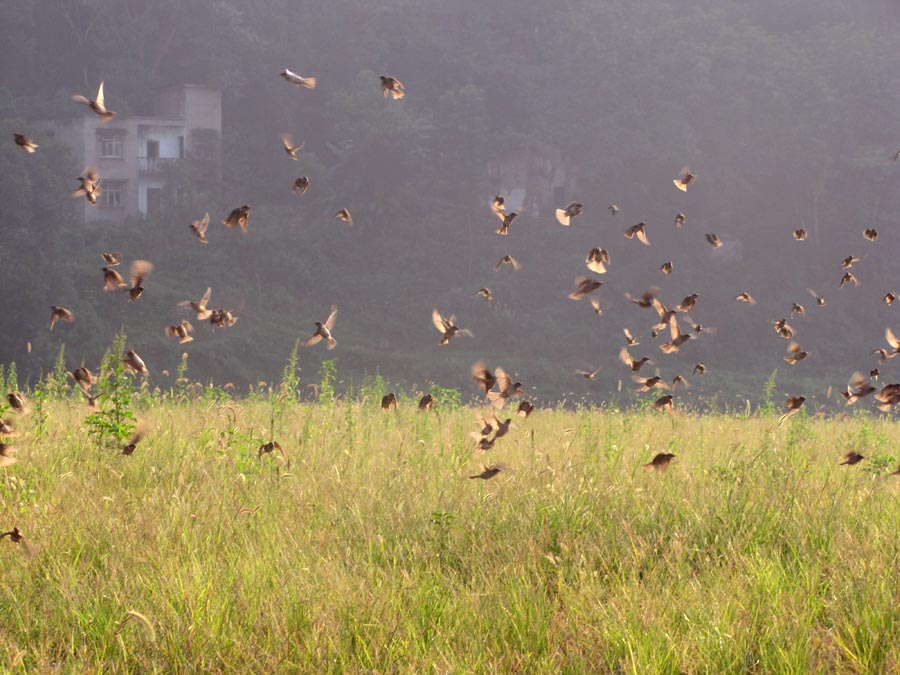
789, 114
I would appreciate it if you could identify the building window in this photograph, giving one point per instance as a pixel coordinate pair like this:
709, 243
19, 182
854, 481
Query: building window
111, 197
111, 145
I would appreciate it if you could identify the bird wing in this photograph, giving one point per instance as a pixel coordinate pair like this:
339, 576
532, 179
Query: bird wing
439, 322
642, 236
329, 322
100, 100
503, 380
891, 338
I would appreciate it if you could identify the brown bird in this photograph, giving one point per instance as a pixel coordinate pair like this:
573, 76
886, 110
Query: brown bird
635, 366
89, 185
647, 383
857, 387
893, 342
820, 301
678, 338
796, 352
597, 259
800, 234
199, 227
500, 428
889, 298
679, 220
848, 278
199, 306
583, 286
564, 216
699, 368
646, 300
238, 218
181, 331
666, 267
132, 444
794, 403
344, 215
688, 304
588, 374
713, 240
680, 379
525, 408
507, 389
508, 260
487, 472
134, 363
498, 206
287, 140
84, 377
637, 231
745, 297
685, 179
393, 86
294, 78
25, 143
301, 185
874, 374
660, 462
112, 280
484, 444
6, 458
447, 327
847, 262
323, 331
870, 233
98, 105
426, 403
630, 339
485, 293
797, 309
140, 270
269, 447
852, 458
613, 209
664, 403
699, 328
16, 401
506, 220
483, 376
222, 318
389, 401
111, 259
57, 313
598, 310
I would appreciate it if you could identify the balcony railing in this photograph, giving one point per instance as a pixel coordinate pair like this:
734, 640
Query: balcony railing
155, 164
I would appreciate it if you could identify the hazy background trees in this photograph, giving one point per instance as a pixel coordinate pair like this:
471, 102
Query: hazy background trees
789, 113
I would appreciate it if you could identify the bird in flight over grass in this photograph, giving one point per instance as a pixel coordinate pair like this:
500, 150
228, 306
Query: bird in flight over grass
323, 331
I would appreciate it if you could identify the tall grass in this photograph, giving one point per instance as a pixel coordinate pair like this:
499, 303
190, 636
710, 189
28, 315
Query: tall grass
368, 549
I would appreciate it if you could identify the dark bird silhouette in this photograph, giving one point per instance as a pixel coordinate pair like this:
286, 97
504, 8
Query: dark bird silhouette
666, 267
796, 354
16, 401
506, 220
485, 293
487, 472
847, 262
583, 286
852, 458
889, 298
630, 339
564, 216
857, 387
24, 142
525, 408
238, 218
268, 448
483, 376
426, 403
679, 220
699, 368
389, 401
506, 389
713, 240
135, 363
870, 233
800, 234
638, 231
300, 185
132, 444
794, 403
140, 270
848, 278
632, 364
447, 327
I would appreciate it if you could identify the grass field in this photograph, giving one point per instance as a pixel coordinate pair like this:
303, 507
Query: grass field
369, 550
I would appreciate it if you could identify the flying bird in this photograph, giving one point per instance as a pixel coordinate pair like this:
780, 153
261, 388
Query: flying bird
583, 286
135, 363
487, 472
89, 185
323, 331
498, 206
57, 313
630, 339
508, 260
794, 403
199, 306
679, 220
598, 310
714, 240
294, 78
796, 354
344, 215
699, 368
238, 218
16, 401
288, 141
506, 389
870, 233
564, 216
634, 365
664, 403
112, 280
132, 444
745, 297
393, 86
447, 327
852, 458
485, 293
820, 301
847, 262
666, 267
301, 185
181, 331
483, 376
638, 231
140, 270
268, 448
111, 259
800, 234
588, 374
199, 227
685, 179
597, 259
525, 408
98, 105
797, 309
889, 298
613, 209
857, 387
506, 220
25, 143
848, 278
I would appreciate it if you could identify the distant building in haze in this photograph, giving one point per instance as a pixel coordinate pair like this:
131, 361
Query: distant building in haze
532, 178
132, 154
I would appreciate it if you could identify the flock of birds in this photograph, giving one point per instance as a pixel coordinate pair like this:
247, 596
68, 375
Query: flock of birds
497, 386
